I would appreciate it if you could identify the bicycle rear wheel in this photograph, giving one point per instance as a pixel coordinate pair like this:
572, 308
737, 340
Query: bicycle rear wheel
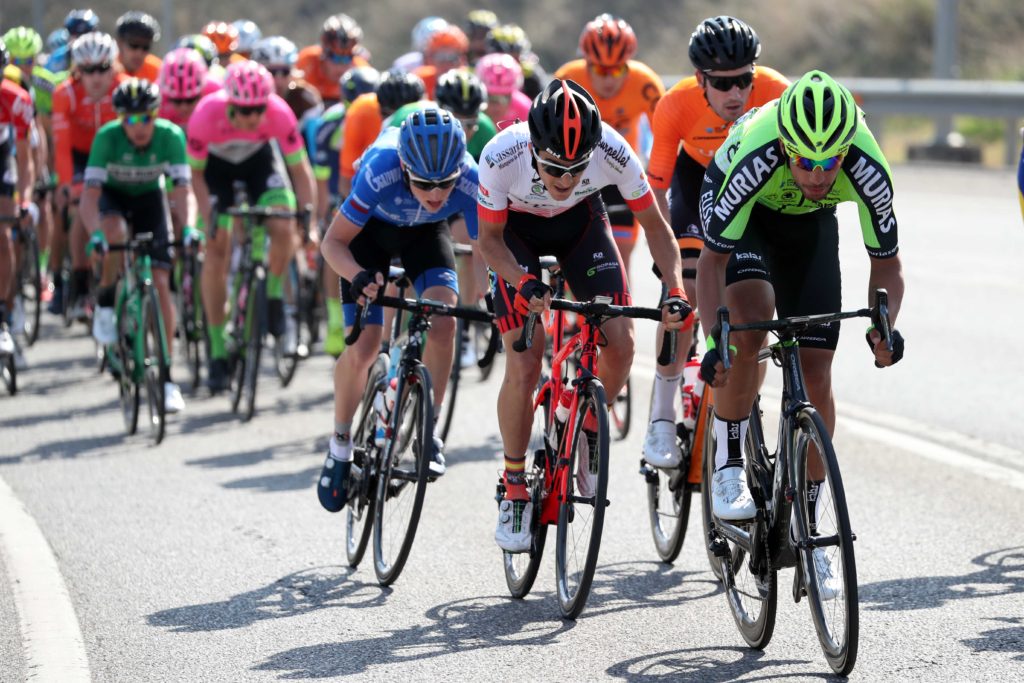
581, 514
447, 410
155, 366
192, 319
363, 484
253, 331
30, 286
834, 604
668, 500
622, 411
128, 387
285, 362
402, 480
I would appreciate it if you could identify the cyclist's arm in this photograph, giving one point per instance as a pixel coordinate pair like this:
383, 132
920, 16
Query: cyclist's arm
62, 137
335, 246
491, 238
302, 180
26, 169
89, 208
661, 199
662, 244
887, 273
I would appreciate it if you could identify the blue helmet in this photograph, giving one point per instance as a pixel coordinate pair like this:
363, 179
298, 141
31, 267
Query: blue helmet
431, 144
81, 21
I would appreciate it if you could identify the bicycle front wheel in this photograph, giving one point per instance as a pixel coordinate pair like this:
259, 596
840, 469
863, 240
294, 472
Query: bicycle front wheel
362, 484
827, 565
622, 411
128, 374
30, 287
447, 409
581, 514
668, 501
402, 480
155, 365
255, 327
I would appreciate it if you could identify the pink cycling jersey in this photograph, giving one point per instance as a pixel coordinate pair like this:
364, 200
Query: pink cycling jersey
210, 131
173, 114
518, 109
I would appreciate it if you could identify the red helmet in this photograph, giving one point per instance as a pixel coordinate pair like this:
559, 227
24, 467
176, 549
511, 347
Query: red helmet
607, 41
223, 35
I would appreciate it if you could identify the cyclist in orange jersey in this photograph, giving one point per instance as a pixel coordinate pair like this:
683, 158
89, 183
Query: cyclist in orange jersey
447, 48
225, 37
624, 90
690, 124
136, 32
339, 50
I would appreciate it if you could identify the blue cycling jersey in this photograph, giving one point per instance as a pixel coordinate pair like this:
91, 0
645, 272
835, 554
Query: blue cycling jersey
379, 189
323, 140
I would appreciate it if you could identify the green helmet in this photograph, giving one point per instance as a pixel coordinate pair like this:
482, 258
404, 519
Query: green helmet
817, 117
23, 42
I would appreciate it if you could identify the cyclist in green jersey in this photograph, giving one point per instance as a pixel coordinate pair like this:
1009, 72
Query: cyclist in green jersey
771, 243
124, 186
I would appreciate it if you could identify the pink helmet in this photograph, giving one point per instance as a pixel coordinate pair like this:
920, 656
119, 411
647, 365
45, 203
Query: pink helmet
500, 73
183, 74
248, 83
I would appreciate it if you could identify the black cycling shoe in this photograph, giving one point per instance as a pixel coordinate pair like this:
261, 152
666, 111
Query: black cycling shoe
275, 317
332, 488
219, 377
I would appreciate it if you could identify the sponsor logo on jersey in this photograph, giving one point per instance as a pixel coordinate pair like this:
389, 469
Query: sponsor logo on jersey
874, 186
745, 180
382, 180
537, 189
618, 154
504, 157
598, 255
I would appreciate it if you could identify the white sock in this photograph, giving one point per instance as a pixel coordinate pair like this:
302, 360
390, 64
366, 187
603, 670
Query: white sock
663, 407
341, 452
722, 440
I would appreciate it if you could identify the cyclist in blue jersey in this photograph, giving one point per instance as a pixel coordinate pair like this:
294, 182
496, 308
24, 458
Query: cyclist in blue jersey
409, 182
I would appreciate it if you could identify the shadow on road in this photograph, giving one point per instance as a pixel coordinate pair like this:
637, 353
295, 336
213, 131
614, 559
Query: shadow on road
1007, 640
708, 664
76, 447
295, 594
643, 585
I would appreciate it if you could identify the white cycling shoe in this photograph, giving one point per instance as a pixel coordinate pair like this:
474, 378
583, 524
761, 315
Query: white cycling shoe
829, 586
661, 448
173, 401
513, 531
104, 325
730, 497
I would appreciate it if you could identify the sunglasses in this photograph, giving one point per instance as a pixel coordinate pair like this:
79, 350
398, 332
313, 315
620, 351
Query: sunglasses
338, 58
280, 71
23, 61
144, 47
138, 119
95, 68
805, 164
612, 71
447, 57
727, 83
182, 101
428, 185
557, 170
250, 110
468, 124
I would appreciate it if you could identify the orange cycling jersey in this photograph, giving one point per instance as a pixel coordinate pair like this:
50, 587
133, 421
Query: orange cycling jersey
311, 65
428, 74
76, 118
150, 69
362, 125
639, 95
683, 116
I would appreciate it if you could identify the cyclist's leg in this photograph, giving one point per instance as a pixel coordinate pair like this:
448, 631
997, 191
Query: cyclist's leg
112, 223
334, 344
268, 180
219, 176
151, 212
77, 235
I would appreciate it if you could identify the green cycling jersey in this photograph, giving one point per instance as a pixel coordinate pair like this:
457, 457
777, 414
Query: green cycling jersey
116, 163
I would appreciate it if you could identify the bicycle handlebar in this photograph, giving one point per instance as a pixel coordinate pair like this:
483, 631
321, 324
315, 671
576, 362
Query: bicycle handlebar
424, 307
589, 309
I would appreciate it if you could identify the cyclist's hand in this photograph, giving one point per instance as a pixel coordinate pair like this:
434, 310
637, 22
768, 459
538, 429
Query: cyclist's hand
532, 296
192, 237
31, 210
676, 312
712, 370
883, 357
366, 285
97, 244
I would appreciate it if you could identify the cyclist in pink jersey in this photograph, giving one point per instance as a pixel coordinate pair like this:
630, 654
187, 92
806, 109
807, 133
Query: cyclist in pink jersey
246, 133
184, 80
502, 75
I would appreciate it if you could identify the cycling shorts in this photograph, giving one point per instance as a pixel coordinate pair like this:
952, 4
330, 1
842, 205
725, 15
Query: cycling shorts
147, 212
264, 175
424, 250
8, 169
623, 222
581, 240
799, 256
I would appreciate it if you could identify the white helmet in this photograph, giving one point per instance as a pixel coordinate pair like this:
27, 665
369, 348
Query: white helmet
93, 48
248, 35
425, 28
275, 51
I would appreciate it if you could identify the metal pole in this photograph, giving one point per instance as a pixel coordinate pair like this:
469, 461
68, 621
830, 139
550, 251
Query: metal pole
168, 29
945, 57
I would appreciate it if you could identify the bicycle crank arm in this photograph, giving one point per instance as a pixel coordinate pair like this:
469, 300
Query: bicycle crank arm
588, 500
822, 541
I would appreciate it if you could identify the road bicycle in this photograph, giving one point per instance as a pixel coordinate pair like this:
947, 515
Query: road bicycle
28, 277
393, 442
784, 532
568, 477
192, 332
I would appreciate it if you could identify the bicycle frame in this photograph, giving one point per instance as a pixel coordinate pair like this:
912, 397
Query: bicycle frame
136, 282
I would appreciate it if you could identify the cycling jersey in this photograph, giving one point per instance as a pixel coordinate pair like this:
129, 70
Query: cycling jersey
485, 129
150, 69
40, 85
380, 190
638, 95
518, 110
311, 66
683, 116
174, 115
508, 179
323, 139
115, 162
362, 125
210, 131
15, 111
76, 118
750, 169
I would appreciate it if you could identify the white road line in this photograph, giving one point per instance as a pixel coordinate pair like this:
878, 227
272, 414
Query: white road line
52, 640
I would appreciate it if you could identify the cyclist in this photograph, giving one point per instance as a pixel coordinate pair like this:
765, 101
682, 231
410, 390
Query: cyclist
511, 39
16, 174
771, 242
224, 36
80, 106
540, 184
248, 35
690, 123
77, 23
230, 139
478, 23
56, 58
136, 32
503, 78
124, 186
421, 32
446, 49
339, 50
208, 50
410, 181
184, 80
278, 55
625, 90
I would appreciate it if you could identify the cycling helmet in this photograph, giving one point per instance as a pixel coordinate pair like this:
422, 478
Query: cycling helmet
448, 39
275, 51
183, 74
431, 144
425, 28
479, 22
248, 84
500, 73
723, 43
340, 34
23, 42
607, 41
509, 38
223, 35
81, 21
564, 121
248, 35
57, 39
201, 44
817, 117
136, 95
460, 92
358, 81
93, 48
137, 25
398, 87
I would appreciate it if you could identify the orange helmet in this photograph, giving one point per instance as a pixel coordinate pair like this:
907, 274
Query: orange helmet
223, 35
607, 41
448, 39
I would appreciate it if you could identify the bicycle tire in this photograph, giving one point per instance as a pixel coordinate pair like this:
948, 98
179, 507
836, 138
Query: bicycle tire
622, 411
30, 287
708, 450
286, 364
128, 387
192, 320
487, 341
155, 366
416, 404
9, 372
255, 328
362, 490
840, 648
669, 486
447, 410
574, 576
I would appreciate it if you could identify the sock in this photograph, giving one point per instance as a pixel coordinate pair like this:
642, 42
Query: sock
275, 286
335, 318
815, 489
515, 482
217, 350
105, 296
341, 447
663, 407
80, 279
730, 435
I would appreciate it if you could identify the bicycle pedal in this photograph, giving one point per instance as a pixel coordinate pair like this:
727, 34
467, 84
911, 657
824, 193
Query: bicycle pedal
718, 546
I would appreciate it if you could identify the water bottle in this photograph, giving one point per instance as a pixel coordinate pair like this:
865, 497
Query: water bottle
389, 396
382, 419
693, 387
562, 409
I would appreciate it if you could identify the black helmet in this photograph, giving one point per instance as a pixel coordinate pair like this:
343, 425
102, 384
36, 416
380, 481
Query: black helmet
138, 25
81, 21
460, 92
397, 88
136, 95
340, 34
357, 81
723, 43
564, 121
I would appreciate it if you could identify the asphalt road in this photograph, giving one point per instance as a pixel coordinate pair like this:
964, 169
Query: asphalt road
209, 558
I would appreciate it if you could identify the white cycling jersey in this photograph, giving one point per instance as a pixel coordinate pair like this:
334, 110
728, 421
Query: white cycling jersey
508, 179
